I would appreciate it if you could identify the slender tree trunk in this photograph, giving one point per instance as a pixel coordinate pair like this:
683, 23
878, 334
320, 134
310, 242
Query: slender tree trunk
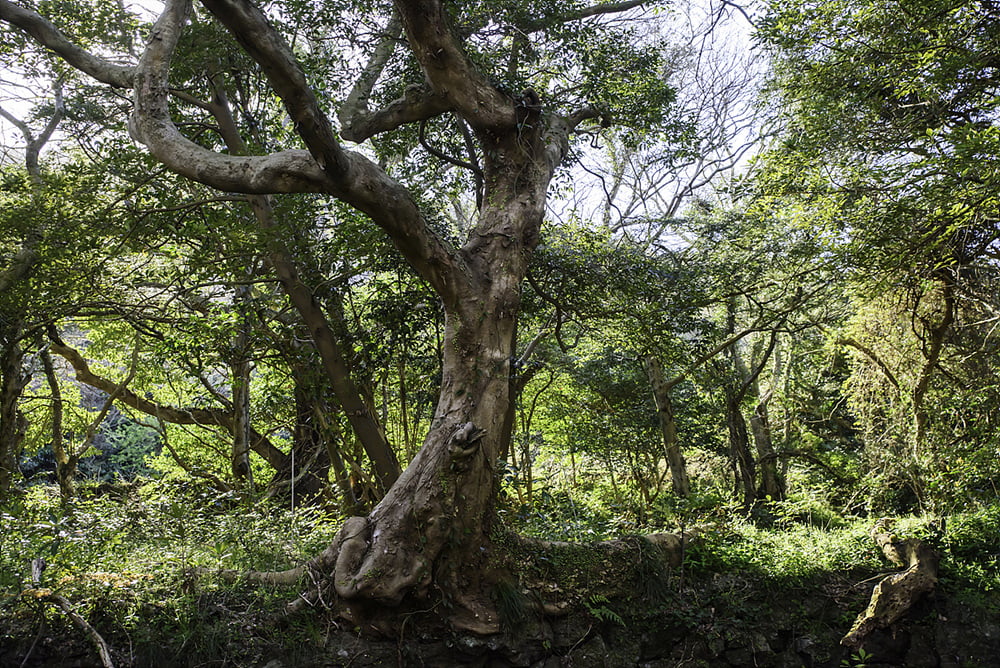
772, 484
936, 336
240, 368
65, 461
13, 379
772, 475
739, 449
668, 427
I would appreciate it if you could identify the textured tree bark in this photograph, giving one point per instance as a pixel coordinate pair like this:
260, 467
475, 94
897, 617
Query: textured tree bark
433, 527
895, 594
668, 426
430, 536
772, 484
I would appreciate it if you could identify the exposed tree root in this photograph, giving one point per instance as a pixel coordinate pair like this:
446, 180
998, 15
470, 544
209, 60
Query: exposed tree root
895, 594
327, 580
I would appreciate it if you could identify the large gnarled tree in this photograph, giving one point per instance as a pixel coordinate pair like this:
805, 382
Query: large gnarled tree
431, 532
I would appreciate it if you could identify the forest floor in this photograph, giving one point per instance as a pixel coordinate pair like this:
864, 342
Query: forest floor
780, 592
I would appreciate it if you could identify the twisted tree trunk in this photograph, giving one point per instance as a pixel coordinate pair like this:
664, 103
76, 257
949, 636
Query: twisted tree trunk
895, 594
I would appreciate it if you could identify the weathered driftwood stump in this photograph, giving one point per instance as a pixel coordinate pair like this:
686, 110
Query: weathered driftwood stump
896, 593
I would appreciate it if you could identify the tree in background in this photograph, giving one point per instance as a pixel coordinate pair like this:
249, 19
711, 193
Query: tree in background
890, 144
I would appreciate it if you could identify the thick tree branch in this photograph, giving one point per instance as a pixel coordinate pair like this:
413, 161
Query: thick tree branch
286, 171
357, 100
350, 176
449, 71
266, 46
46, 34
417, 104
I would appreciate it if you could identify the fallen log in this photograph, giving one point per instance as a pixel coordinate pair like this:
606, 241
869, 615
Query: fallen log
896, 593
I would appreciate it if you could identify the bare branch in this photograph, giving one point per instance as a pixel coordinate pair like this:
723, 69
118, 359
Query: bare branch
441, 155
63, 603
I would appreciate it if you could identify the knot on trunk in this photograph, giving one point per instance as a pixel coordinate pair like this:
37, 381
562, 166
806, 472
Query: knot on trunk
381, 559
354, 543
464, 443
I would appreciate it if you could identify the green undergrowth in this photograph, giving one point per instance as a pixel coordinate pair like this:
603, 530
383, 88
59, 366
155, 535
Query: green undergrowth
126, 557
138, 562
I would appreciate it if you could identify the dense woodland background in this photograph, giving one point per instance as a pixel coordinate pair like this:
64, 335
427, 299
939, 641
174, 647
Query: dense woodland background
762, 305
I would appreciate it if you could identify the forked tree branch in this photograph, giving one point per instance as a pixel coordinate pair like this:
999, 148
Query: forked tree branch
449, 71
346, 175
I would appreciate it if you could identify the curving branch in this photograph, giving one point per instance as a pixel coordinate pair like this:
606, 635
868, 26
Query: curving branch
286, 171
349, 176
196, 416
357, 99
64, 604
418, 103
873, 356
46, 34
